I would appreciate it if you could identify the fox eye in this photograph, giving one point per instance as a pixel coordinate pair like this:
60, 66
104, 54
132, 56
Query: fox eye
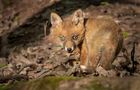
75, 37
62, 38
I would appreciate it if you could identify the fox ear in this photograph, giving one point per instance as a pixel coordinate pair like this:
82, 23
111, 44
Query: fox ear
55, 19
78, 17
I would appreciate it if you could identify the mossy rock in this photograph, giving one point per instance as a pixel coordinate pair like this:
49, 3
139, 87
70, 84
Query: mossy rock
76, 83
47, 83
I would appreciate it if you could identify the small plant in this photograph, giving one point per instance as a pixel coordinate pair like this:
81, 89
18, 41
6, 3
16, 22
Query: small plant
125, 34
2, 65
105, 2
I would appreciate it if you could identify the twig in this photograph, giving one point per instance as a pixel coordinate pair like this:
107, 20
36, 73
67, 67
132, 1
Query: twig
29, 65
12, 77
126, 56
48, 72
133, 57
45, 28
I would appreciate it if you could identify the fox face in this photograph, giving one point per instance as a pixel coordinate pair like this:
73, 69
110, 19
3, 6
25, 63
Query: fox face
67, 33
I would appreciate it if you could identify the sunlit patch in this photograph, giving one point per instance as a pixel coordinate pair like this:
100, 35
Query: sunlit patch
83, 67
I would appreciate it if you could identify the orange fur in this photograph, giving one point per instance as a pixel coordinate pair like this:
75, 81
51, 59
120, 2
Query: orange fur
99, 39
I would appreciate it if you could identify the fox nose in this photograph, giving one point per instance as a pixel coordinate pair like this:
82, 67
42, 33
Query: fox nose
69, 50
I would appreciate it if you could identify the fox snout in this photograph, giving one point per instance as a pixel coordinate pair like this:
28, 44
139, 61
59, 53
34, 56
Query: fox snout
69, 46
69, 50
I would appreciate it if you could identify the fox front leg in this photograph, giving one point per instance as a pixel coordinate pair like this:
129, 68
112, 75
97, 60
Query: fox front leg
84, 57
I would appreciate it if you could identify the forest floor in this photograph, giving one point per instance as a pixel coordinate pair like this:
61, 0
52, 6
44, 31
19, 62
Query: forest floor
31, 57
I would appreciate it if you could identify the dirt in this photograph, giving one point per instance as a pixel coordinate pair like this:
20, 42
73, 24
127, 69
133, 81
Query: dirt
29, 54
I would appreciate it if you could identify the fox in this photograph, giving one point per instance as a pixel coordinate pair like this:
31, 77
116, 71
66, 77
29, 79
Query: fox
98, 39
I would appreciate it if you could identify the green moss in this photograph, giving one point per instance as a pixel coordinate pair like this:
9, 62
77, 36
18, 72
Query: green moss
48, 83
2, 65
4, 87
105, 2
95, 85
51, 83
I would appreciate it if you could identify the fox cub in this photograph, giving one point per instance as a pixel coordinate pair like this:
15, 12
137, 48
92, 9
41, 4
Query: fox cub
99, 39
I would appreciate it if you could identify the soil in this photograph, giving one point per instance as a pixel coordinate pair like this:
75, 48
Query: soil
30, 56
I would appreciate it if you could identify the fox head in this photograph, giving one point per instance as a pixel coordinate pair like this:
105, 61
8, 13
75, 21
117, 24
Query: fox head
68, 33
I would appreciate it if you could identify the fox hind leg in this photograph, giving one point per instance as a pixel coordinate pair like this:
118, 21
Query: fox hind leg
105, 63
